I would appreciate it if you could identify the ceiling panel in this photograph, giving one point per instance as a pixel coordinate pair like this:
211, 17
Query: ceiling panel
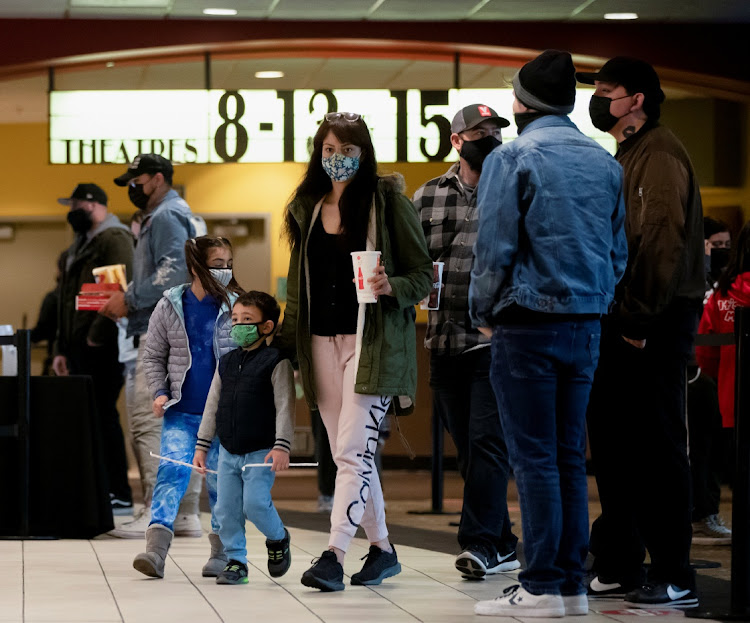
432, 10
529, 9
672, 10
246, 9
324, 9
33, 8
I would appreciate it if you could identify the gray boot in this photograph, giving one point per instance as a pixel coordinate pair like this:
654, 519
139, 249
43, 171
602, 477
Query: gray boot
218, 559
151, 562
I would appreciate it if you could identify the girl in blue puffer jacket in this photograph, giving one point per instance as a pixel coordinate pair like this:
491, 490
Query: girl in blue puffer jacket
187, 334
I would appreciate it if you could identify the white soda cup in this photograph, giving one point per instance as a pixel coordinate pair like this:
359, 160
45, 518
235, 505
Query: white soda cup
364, 264
432, 300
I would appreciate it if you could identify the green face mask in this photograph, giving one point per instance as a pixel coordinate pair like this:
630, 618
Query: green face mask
245, 335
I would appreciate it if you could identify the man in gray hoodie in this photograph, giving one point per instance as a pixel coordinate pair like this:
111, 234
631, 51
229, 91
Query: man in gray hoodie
86, 343
158, 264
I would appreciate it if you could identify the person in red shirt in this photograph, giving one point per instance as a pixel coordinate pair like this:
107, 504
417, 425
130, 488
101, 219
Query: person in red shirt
732, 290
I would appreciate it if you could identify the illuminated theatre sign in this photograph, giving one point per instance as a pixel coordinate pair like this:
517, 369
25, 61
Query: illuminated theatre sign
215, 126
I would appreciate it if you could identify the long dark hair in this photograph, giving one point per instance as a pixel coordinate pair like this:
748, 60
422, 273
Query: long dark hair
739, 260
196, 256
356, 199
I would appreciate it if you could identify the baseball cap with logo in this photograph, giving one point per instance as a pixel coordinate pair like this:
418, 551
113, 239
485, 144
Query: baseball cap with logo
635, 75
471, 116
85, 192
147, 163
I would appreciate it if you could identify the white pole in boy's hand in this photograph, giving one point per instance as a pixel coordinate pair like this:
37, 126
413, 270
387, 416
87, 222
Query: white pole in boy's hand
279, 460
199, 461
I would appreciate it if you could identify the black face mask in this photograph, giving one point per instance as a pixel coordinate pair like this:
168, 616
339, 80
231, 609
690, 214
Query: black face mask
80, 220
137, 197
474, 152
719, 259
523, 119
599, 112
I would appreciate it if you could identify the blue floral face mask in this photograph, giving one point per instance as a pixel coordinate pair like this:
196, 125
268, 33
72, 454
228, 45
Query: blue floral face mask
339, 167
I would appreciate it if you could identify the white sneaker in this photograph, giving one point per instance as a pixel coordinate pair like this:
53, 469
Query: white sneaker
135, 529
188, 525
576, 605
711, 531
516, 601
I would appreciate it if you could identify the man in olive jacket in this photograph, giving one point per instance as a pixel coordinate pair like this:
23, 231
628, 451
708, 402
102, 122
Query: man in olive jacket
86, 341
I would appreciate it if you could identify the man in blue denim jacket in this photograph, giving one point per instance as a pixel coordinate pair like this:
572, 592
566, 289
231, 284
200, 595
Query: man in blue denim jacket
158, 264
550, 250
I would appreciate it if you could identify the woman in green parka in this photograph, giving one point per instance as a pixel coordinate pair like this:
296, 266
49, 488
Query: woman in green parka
354, 358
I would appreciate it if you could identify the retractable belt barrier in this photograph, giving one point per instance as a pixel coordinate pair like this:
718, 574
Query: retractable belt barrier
20, 430
739, 606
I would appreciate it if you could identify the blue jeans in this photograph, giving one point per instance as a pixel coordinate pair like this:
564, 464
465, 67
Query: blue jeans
462, 397
178, 436
542, 376
245, 494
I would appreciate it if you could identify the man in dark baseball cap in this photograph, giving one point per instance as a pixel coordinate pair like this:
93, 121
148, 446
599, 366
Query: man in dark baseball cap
471, 116
147, 163
460, 355
85, 192
638, 397
158, 264
634, 76
86, 342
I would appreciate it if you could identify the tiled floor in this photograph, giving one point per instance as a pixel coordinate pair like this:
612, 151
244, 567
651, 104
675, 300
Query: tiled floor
93, 581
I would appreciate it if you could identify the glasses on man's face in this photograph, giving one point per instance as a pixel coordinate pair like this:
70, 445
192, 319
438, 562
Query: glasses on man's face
351, 117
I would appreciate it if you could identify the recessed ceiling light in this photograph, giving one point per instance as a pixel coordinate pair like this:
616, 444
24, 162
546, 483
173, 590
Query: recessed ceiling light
219, 11
269, 74
621, 16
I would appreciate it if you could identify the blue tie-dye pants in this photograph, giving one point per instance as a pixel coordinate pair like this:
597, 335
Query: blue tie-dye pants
178, 436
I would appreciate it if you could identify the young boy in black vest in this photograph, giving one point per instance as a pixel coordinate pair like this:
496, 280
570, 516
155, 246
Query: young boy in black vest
250, 407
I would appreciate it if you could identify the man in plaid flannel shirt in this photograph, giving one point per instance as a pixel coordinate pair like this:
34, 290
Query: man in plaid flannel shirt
460, 356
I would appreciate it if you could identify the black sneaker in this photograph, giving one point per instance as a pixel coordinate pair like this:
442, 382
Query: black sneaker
661, 595
475, 561
234, 573
503, 564
326, 573
279, 556
378, 566
600, 587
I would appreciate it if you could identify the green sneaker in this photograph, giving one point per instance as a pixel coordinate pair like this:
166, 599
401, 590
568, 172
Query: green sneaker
234, 573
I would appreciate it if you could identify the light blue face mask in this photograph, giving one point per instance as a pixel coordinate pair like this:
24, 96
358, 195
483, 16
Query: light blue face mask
339, 167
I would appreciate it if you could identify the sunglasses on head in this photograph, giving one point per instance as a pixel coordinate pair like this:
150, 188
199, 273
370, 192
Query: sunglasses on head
351, 117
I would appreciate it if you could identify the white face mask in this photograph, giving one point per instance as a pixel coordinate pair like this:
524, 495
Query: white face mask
222, 275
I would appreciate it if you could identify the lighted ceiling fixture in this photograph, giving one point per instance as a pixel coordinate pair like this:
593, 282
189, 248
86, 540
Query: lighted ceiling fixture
110, 64
219, 11
269, 74
622, 16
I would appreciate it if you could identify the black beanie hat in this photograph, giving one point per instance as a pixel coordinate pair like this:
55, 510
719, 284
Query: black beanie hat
548, 83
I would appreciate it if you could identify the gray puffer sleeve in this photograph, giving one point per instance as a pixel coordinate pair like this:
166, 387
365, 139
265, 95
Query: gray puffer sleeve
207, 430
156, 352
285, 400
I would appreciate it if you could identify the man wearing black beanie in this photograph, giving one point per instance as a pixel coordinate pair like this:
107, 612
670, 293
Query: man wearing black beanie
551, 247
636, 417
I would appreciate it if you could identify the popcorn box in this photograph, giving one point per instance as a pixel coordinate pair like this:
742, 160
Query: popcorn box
113, 273
93, 296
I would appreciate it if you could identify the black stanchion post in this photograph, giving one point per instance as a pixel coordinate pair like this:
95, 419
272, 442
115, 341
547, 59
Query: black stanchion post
437, 464
740, 601
23, 346
739, 609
